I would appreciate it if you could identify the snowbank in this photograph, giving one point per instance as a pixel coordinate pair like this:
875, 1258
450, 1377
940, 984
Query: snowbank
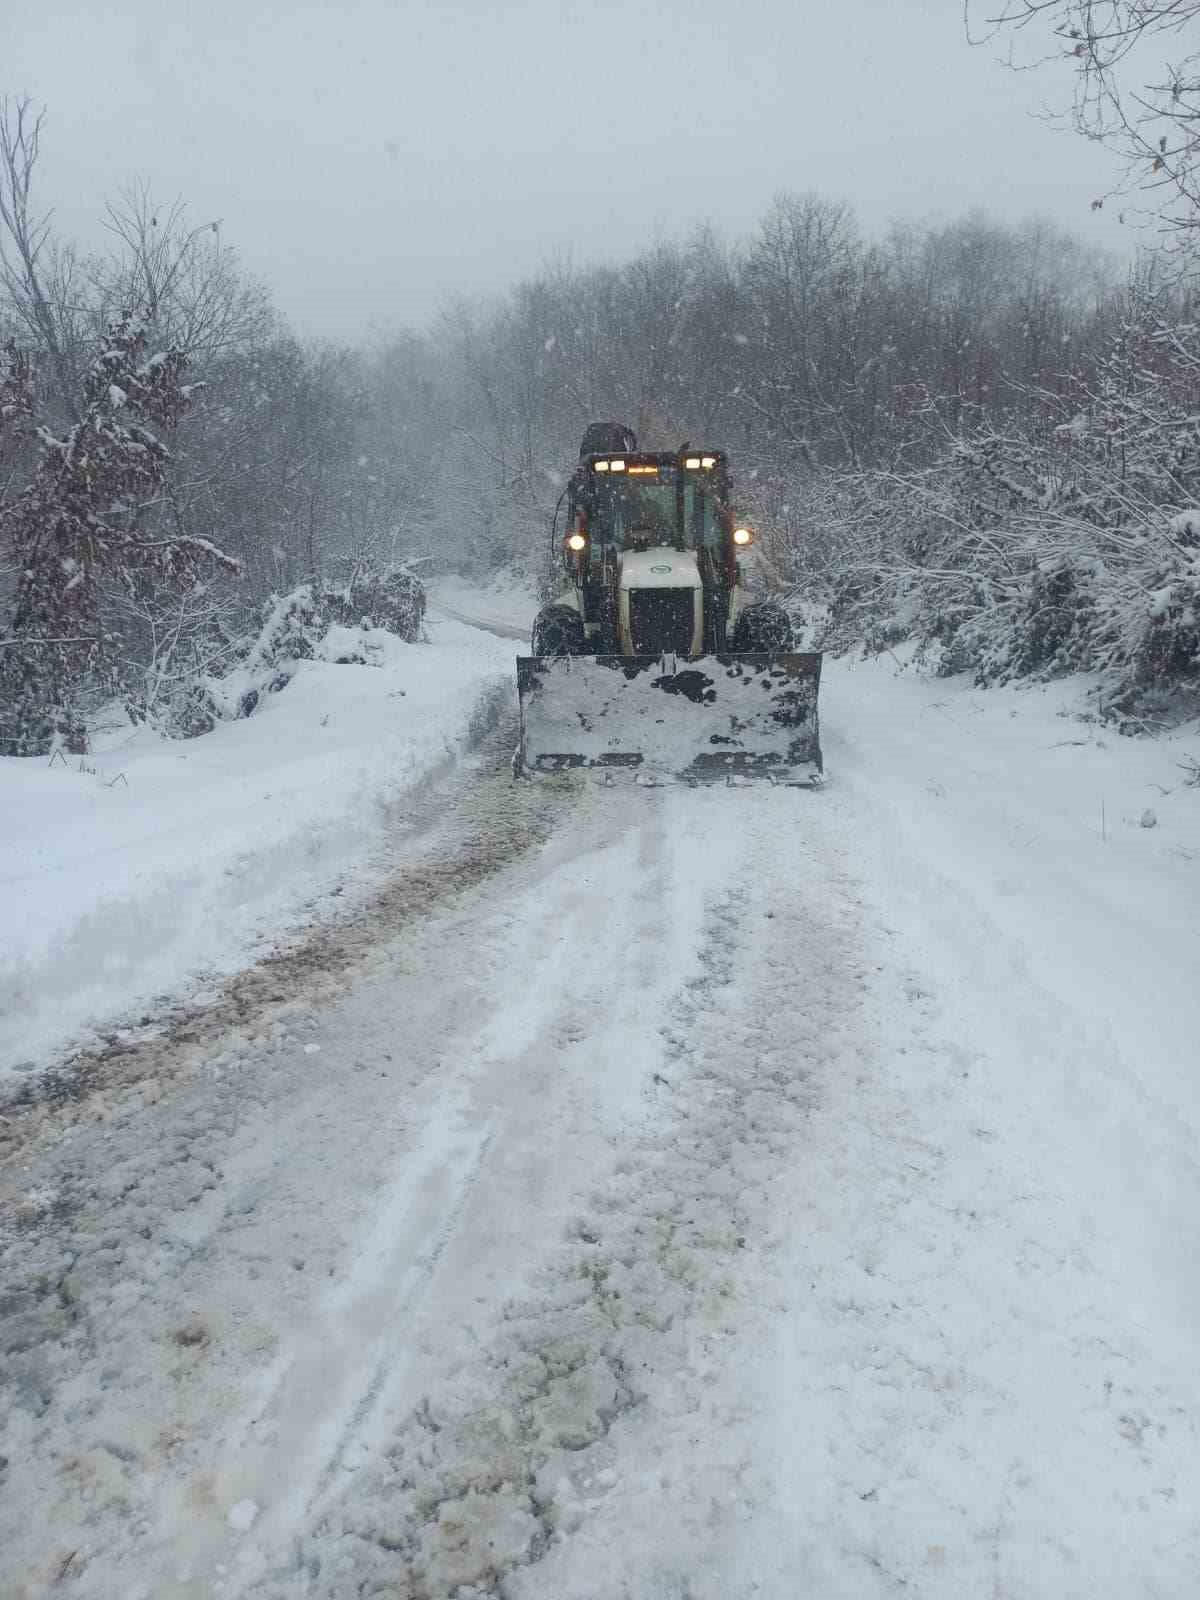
155, 860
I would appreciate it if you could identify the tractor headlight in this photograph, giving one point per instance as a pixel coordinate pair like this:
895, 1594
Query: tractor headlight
743, 536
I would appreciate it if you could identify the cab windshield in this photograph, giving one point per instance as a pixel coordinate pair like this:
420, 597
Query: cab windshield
640, 512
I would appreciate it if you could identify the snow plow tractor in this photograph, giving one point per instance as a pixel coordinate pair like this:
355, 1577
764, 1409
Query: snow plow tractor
654, 658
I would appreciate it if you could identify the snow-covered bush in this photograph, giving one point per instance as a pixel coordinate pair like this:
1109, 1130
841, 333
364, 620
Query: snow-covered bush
292, 625
392, 598
1165, 641
345, 625
363, 646
1066, 546
1039, 596
811, 618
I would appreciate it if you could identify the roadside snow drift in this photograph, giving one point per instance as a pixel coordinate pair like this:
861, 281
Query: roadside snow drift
128, 872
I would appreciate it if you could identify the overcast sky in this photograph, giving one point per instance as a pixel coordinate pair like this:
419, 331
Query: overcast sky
372, 158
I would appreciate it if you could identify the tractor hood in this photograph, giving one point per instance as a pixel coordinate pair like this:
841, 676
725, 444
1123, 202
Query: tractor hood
660, 568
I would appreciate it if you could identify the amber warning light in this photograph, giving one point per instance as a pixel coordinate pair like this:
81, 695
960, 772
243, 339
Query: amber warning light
651, 468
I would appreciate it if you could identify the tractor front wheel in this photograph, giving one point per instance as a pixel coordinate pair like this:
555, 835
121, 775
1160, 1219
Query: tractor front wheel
762, 629
558, 631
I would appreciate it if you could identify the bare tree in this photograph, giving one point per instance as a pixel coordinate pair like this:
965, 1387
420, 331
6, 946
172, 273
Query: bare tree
1148, 115
38, 277
196, 298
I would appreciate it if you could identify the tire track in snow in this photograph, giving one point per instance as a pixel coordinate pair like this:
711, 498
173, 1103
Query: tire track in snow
494, 1474
311, 1424
129, 1232
426, 1209
324, 1405
648, 1272
781, 1027
451, 832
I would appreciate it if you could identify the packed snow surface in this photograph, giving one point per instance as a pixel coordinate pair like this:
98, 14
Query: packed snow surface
720, 1192
504, 607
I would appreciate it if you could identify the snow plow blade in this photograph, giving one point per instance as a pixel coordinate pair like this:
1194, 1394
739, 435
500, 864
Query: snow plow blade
721, 716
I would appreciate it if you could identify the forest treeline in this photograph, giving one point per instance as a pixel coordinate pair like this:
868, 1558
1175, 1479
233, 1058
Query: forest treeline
976, 434
979, 435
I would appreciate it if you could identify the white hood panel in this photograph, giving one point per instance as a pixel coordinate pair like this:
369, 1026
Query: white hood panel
661, 568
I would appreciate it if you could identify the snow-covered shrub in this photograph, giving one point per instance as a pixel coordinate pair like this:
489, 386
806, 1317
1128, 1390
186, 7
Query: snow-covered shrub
1165, 643
811, 617
1067, 540
346, 625
392, 598
1039, 623
1030, 556
291, 627
362, 646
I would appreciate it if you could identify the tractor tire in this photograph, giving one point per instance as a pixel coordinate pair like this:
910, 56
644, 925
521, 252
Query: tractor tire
558, 631
763, 629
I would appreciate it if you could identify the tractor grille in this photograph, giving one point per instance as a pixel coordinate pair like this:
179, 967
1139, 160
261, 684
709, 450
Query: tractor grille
661, 620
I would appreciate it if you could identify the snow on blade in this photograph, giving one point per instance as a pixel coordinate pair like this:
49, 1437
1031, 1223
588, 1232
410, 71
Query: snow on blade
720, 711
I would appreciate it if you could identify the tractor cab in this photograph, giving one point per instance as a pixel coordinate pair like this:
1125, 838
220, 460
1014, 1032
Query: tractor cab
643, 501
651, 547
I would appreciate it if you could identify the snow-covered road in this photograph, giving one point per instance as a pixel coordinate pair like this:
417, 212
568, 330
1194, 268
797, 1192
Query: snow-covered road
657, 1194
